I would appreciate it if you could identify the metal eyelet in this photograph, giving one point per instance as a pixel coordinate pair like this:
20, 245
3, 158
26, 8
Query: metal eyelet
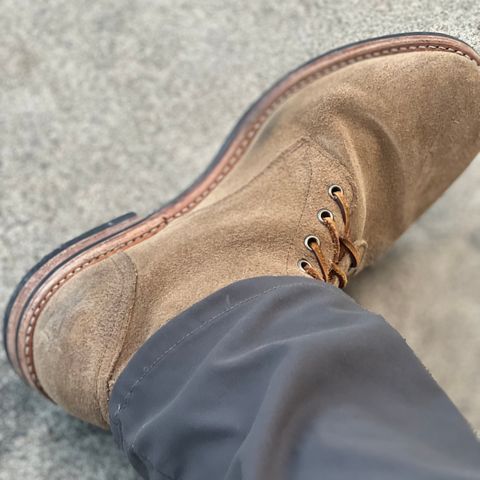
324, 214
303, 264
333, 190
309, 239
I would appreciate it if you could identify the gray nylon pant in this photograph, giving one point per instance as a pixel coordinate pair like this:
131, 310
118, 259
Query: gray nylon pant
286, 378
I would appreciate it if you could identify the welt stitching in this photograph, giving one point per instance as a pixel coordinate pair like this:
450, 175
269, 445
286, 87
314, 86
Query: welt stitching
146, 371
28, 350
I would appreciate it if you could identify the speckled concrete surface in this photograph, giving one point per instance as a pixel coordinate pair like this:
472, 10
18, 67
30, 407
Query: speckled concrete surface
111, 105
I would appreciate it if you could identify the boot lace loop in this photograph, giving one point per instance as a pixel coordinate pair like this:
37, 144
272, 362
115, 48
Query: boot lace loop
330, 270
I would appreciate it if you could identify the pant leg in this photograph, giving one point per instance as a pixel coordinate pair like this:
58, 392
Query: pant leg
286, 378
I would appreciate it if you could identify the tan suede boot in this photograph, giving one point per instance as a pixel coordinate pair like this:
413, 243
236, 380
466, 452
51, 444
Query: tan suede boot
319, 178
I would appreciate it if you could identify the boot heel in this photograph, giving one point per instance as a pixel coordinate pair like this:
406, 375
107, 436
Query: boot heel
33, 280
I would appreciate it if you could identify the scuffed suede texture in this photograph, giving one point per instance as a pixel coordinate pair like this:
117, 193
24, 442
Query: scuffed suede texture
79, 335
405, 126
392, 131
113, 105
257, 230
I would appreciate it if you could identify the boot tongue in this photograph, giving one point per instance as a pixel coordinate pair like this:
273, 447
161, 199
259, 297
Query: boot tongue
346, 262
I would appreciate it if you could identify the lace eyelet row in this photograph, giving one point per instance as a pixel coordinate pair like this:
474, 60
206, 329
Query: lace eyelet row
322, 215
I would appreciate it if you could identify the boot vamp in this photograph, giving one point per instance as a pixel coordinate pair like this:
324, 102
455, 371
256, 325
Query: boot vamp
405, 126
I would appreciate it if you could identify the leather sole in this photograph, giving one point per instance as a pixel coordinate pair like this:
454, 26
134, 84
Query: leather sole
52, 272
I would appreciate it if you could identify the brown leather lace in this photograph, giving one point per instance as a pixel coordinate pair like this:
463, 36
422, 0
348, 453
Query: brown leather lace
343, 245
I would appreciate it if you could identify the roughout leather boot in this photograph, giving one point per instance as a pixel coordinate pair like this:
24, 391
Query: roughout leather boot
318, 179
